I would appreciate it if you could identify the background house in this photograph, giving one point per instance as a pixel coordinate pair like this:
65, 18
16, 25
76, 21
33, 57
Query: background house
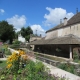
20, 38
64, 37
71, 26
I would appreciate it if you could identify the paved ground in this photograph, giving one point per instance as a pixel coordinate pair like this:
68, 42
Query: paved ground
3, 58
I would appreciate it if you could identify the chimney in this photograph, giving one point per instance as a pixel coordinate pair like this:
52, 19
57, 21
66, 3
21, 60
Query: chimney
60, 21
65, 21
76, 10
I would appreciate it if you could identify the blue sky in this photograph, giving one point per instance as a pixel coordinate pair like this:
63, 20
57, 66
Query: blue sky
41, 15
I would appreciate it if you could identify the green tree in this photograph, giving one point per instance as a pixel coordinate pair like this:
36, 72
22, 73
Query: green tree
7, 31
16, 34
27, 38
25, 32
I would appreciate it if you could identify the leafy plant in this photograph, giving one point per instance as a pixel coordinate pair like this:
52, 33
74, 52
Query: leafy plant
16, 42
14, 61
76, 57
32, 71
67, 67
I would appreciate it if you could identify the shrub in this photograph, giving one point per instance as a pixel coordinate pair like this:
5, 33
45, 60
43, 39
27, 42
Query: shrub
7, 52
67, 67
32, 71
16, 42
15, 46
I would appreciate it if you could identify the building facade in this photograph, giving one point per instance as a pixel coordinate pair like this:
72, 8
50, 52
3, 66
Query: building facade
65, 34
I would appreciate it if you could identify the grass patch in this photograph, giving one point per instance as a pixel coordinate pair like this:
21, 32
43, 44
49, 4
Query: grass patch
3, 64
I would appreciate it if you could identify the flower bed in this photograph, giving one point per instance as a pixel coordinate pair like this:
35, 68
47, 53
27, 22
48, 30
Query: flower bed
19, 67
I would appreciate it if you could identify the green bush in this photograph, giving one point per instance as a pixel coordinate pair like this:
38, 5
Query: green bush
75, 55
7, 52
32, 71
15, 45
67, 67
16, 42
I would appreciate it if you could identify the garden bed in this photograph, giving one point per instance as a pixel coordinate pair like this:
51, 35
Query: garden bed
68, 66
32, 71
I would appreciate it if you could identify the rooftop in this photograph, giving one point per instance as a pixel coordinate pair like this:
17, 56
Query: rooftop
69, 39
75, 19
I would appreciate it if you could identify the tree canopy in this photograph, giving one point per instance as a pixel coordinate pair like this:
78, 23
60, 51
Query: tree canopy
25, 32
7, 31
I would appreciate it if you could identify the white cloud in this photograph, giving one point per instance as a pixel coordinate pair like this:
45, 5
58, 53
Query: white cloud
2, 11
55, 15
39, 29
17, 21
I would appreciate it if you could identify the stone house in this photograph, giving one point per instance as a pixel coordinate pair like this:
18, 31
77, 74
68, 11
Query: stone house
34, 37
61, 39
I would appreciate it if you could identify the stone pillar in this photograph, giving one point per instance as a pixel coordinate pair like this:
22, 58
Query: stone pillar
71, 54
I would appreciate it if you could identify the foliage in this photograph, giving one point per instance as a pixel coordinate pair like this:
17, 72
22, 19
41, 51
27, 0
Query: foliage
7, 52
16, 34
7, 31
67, 67
27, 38
3, 64
14, 61
25, 32
76, 57
32, 71
4, 49
16, 42
15, 46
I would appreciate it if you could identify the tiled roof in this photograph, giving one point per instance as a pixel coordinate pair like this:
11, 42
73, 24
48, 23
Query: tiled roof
75, 19
70, 39
56, 27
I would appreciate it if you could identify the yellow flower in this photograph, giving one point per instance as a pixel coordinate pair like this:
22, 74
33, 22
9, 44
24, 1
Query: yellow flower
15, 56
24, 57
9, 59
9, 65
21, 52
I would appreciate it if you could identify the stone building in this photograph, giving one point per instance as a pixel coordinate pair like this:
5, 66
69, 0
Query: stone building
61, 39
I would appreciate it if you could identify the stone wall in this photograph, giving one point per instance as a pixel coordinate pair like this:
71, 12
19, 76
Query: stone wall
73, 29
52, 34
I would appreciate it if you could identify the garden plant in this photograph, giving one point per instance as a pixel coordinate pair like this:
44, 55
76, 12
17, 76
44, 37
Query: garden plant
19, 67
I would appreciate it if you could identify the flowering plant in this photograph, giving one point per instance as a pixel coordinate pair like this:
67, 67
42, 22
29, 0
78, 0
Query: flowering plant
15, 59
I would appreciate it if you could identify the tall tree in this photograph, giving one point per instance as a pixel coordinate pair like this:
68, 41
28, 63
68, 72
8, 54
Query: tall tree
7, 31
25, 32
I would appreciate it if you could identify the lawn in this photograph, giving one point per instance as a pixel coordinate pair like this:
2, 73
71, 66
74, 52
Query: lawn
3, 64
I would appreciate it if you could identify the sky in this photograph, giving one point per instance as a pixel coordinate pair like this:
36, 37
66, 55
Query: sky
40, 15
